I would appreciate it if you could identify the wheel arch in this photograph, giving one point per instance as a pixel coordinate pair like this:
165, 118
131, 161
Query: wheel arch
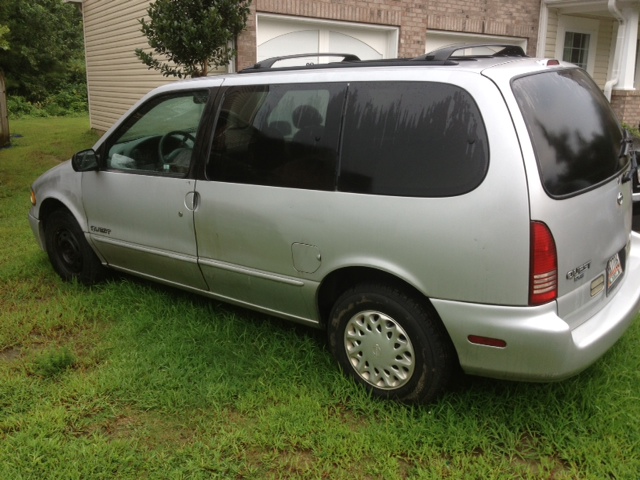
338, 281
51, 204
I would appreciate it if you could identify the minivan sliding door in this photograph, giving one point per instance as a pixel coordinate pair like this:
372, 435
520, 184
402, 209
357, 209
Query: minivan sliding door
275, 150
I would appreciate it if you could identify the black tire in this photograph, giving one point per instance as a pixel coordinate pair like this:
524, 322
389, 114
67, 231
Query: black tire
391, 343
70, 254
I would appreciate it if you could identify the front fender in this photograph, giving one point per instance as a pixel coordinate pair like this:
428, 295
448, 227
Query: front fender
59, 187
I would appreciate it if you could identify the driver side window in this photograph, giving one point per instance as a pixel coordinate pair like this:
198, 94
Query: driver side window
158, 137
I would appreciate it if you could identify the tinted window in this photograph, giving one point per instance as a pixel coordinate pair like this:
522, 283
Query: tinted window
278, 135
158, 137
573, 130
412, 139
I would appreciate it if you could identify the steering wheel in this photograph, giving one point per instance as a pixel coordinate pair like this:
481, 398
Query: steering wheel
179, 134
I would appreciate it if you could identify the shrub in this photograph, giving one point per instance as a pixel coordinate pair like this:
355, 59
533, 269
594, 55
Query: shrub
19, 107
69, 100
632, 130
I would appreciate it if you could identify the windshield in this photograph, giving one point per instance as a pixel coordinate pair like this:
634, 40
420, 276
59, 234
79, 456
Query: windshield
575, 134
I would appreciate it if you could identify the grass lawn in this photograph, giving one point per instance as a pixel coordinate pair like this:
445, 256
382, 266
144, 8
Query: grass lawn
133, 380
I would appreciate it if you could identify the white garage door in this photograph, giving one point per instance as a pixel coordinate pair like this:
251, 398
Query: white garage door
438, 38
279, 35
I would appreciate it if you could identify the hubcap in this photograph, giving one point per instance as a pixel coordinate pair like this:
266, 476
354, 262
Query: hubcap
379, 350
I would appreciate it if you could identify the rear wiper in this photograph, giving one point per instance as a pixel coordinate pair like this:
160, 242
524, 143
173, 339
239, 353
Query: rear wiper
626, 148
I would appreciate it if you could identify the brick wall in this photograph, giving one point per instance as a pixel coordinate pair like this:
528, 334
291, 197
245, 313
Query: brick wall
518, 18
626, 104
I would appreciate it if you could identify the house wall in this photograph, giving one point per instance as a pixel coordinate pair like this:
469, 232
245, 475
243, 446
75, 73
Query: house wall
518, 18
552, 32
603, 47
116, 78
414, 17
603, 51
626, 104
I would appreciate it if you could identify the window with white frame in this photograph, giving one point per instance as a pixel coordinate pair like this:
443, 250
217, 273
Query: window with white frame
576, 48
577, 40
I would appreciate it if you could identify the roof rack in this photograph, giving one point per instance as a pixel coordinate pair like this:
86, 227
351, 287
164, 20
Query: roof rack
447, 53
441, 56
269, 62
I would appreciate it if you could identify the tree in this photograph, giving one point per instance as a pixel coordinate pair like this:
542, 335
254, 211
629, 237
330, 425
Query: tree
47, 52
5, 136
192, 35
4, 33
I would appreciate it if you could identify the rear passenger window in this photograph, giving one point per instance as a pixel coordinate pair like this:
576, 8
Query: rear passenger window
278, 135
421, 139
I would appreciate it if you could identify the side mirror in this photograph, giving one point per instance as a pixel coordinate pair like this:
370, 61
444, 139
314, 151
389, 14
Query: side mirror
85, 161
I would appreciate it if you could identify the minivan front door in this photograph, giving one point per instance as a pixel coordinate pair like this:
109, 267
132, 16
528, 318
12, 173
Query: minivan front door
140, 204
144, 225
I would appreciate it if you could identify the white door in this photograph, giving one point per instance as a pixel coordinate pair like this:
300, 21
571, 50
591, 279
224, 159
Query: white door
279, 35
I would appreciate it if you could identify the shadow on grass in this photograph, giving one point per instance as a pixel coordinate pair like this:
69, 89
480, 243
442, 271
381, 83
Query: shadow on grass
254, 347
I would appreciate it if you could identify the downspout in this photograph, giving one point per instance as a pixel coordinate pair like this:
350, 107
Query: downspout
608, 87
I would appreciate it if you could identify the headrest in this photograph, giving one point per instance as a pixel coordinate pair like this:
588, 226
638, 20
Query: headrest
306, 116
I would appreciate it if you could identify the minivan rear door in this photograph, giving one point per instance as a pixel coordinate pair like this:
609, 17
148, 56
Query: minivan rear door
576, 158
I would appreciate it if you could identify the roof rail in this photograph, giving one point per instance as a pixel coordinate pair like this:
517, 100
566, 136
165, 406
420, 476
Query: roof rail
269, 62
442, 56
447, 53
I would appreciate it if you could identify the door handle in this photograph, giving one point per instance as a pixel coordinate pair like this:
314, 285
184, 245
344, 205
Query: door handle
191, 201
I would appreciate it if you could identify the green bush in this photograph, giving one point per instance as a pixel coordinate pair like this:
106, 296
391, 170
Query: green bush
632, 130
19, 107
69, 100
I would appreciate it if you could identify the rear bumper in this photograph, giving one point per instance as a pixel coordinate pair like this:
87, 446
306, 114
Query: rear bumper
540, 345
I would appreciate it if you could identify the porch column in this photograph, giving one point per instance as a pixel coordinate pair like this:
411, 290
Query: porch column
627, 53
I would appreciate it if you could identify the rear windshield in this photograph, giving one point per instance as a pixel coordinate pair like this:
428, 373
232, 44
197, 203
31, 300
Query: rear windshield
575, 134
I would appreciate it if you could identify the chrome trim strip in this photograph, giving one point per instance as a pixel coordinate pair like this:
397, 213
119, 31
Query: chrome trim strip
140, 248
251, 272
293, 318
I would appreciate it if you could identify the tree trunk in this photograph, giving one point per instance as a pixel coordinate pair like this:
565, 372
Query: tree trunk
5, 137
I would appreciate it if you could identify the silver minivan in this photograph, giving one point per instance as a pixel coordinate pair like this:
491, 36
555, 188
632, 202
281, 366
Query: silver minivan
432, 213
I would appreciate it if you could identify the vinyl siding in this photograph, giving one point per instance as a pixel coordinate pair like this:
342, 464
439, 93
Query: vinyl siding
603, 47
116, 78
552, 34
605, 37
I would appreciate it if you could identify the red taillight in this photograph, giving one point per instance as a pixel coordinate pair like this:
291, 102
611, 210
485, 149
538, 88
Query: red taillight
543, 282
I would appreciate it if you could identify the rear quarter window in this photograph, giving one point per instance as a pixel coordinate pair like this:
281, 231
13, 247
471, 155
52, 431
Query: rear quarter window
575, 134
420, 139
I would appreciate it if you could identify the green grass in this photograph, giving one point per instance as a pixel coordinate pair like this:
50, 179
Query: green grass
133, 380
